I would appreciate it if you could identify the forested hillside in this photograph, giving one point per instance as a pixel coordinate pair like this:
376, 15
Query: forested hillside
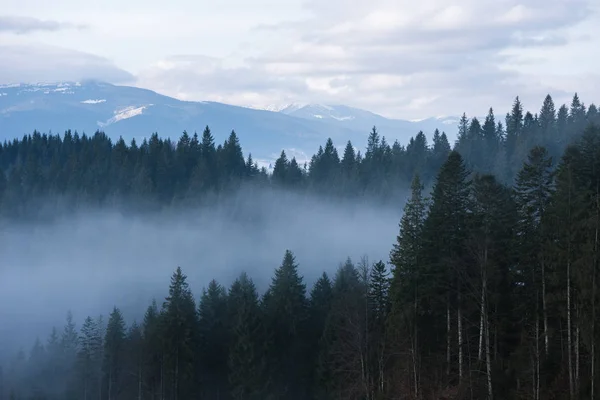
489, 291
43, 173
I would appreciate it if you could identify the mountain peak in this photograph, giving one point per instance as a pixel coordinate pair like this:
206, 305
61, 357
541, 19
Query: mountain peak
133, 112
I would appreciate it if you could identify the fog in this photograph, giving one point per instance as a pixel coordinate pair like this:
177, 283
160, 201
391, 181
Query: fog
90, 261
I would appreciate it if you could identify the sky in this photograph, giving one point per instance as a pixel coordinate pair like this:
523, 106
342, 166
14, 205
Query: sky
401, 59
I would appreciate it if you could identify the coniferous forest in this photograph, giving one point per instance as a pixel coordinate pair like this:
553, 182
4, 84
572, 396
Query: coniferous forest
489, 291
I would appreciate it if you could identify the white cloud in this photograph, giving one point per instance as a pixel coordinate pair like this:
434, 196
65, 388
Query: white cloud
23, 25
396, 57
41, 63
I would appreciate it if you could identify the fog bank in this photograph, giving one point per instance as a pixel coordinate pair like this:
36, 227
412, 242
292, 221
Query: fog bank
93, 260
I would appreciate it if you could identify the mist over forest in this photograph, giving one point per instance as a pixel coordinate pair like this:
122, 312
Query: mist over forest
94, 259
426, 269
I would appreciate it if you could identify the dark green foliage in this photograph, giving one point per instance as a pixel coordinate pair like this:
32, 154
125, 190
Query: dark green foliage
214, 341
246, 360
492, 293
114, 360
179, 329
286, 313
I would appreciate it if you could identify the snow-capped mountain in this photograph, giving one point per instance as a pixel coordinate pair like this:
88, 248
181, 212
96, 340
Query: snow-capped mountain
345, 116
137, 113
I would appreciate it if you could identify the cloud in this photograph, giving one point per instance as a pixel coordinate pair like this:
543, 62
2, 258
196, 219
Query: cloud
42, 63
394, 57
22, 25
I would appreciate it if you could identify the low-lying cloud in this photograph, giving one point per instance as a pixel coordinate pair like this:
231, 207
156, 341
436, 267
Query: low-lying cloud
23, 25
91, 261
43, 63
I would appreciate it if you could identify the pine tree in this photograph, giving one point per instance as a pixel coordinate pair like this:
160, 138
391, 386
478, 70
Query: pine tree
494, 214
280, 170
179, 327
214, 340
286, 309
344, 367
379, 287
69, 344
247, 357
89, 359
405, 258
533, 189
154, 352
514, 126
133, 363
548, 118
444, 235
491, 142
114, 347
233, 163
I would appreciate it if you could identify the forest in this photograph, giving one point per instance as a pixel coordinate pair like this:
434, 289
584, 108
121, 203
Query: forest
45, 173
489, 291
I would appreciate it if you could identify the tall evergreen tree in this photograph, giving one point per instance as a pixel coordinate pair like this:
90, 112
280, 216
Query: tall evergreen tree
114, 346
286, 309
406, 261
179, 330
247, 349
214, 341
444, 235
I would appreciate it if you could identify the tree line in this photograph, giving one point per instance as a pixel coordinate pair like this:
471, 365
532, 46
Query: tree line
489, 292
41, 172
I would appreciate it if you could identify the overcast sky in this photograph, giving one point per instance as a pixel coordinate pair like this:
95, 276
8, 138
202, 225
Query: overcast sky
406, 59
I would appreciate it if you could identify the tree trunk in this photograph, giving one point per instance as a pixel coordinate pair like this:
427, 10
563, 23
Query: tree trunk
534, 380
382, 371
110, 385
415, 345
460, 340
488, 360
544, 311
483, 312
448, 338
176, 386
162, 379
537, 348
594, 267
569, 331
140, 382
460, 333
481, 319
577, 353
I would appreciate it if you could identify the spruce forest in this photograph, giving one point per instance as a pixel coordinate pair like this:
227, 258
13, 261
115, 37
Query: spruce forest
489, 291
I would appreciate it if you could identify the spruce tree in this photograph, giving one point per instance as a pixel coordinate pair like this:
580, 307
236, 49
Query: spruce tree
89, 359
114, 347
286, 309
179, 332
213, 333
444, 235
247, 348
406, 262
154, 352
533, 190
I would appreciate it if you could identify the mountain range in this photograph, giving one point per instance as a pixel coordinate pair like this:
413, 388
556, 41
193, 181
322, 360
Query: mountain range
133, 112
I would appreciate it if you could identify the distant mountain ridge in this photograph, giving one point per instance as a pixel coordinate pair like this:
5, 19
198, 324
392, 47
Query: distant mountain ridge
133, 112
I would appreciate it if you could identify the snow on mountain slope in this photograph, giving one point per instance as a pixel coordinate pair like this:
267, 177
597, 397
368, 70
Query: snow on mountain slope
90, 101
124, 113
133, 112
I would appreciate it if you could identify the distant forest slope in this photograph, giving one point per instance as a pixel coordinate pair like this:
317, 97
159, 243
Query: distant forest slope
44, 172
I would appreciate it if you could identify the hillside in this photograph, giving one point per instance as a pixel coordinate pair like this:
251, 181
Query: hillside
137, 113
